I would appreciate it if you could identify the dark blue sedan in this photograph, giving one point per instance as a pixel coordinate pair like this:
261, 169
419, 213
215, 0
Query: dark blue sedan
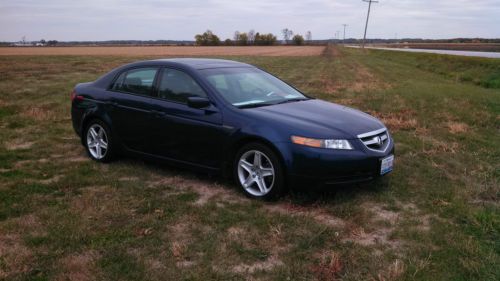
227, 116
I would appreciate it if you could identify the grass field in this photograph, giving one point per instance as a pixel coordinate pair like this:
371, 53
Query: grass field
64, 217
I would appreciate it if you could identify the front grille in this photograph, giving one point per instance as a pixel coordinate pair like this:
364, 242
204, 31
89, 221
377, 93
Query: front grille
376, 140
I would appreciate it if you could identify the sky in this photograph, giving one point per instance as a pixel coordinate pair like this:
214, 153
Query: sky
95, 20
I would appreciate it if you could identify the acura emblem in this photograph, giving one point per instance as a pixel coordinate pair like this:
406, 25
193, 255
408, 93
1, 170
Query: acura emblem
378, 140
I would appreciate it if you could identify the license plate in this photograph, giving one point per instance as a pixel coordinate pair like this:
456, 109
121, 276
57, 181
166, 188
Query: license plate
386, 165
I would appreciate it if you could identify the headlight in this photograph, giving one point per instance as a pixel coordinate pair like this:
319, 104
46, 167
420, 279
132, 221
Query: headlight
332, 144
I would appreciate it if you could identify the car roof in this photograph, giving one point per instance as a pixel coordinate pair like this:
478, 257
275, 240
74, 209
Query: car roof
186, 63
202, 63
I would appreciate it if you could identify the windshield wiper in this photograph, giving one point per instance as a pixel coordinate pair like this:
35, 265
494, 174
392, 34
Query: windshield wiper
253, 105
291, 100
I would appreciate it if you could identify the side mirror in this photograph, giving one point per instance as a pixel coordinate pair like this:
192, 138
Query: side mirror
198, 102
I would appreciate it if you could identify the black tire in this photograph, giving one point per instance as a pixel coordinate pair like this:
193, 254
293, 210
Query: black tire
109, 153
276, 188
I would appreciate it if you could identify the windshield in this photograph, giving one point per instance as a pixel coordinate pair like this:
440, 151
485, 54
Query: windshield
250, 87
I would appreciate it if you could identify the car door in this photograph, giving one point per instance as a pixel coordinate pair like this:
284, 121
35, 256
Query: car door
131, 107
181, 132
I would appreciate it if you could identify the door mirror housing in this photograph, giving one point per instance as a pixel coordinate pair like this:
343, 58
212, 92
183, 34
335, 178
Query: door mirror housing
198, 102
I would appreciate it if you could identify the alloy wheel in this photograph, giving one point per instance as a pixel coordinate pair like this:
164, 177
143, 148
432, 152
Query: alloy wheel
256, 173
97, 141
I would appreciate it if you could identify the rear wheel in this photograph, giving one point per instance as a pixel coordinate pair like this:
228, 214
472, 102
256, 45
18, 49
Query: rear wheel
98, 141
258, 171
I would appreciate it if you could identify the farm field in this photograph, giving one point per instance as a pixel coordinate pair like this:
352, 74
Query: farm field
166, 51
436, 217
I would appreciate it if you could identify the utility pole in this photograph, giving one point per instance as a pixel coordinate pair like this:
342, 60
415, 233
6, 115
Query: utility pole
367, 17
345, 25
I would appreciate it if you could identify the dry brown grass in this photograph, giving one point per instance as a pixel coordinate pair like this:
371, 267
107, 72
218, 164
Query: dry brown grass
316, 213
78, 267
267, 265
364, 79
393, 272
18, 144
397, 121
207, 190
328, 268
432, 146
38, 113
279, 51
457, 127
15, 257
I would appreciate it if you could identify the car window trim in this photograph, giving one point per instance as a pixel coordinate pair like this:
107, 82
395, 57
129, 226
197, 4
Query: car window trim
150, 95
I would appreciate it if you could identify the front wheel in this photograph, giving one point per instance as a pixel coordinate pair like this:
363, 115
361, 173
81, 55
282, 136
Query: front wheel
258, 171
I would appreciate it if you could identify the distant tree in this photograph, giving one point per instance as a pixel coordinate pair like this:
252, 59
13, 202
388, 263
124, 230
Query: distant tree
236, 36
228, 42
270, 39
309, 36
251, 37
43, 41
256, 39
207, 39
52, 42
298, 40
265, 39
243, 39
287, 33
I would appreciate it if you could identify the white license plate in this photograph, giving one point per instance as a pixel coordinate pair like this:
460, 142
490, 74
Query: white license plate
386, 165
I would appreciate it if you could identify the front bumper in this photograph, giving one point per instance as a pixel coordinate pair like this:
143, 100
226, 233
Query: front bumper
306, 165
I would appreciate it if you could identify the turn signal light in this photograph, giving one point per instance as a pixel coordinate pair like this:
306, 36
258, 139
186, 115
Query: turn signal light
320, 143
307, 141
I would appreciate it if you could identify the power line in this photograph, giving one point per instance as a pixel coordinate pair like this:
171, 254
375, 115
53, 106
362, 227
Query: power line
367, 17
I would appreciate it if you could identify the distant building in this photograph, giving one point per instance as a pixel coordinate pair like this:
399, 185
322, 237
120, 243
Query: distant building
23, 44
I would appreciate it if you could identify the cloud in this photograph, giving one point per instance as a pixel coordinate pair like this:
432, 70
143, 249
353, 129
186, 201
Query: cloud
181, 19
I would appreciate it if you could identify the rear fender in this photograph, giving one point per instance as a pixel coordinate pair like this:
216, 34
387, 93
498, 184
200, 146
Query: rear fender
94, 113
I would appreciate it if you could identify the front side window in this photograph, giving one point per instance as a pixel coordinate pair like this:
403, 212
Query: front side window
178, 86
137, 81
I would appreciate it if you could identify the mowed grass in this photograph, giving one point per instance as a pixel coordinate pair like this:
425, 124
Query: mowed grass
64, 217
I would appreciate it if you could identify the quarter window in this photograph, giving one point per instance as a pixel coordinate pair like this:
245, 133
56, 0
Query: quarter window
178, 86
137, 81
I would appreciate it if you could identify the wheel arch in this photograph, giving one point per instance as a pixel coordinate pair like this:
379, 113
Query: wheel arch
237, 145
92, 116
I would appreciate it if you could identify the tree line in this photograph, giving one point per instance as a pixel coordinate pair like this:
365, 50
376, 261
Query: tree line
250, 38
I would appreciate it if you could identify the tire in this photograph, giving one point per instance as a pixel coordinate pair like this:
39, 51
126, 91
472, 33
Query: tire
98, 141
265, 181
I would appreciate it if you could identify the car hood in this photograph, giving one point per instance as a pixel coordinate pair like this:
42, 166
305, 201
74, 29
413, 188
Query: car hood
318, 119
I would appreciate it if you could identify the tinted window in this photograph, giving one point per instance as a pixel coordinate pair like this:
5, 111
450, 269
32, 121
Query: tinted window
137, 81
178, 86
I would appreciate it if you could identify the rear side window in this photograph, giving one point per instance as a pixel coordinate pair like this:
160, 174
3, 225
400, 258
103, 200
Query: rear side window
178, 86
137, 81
